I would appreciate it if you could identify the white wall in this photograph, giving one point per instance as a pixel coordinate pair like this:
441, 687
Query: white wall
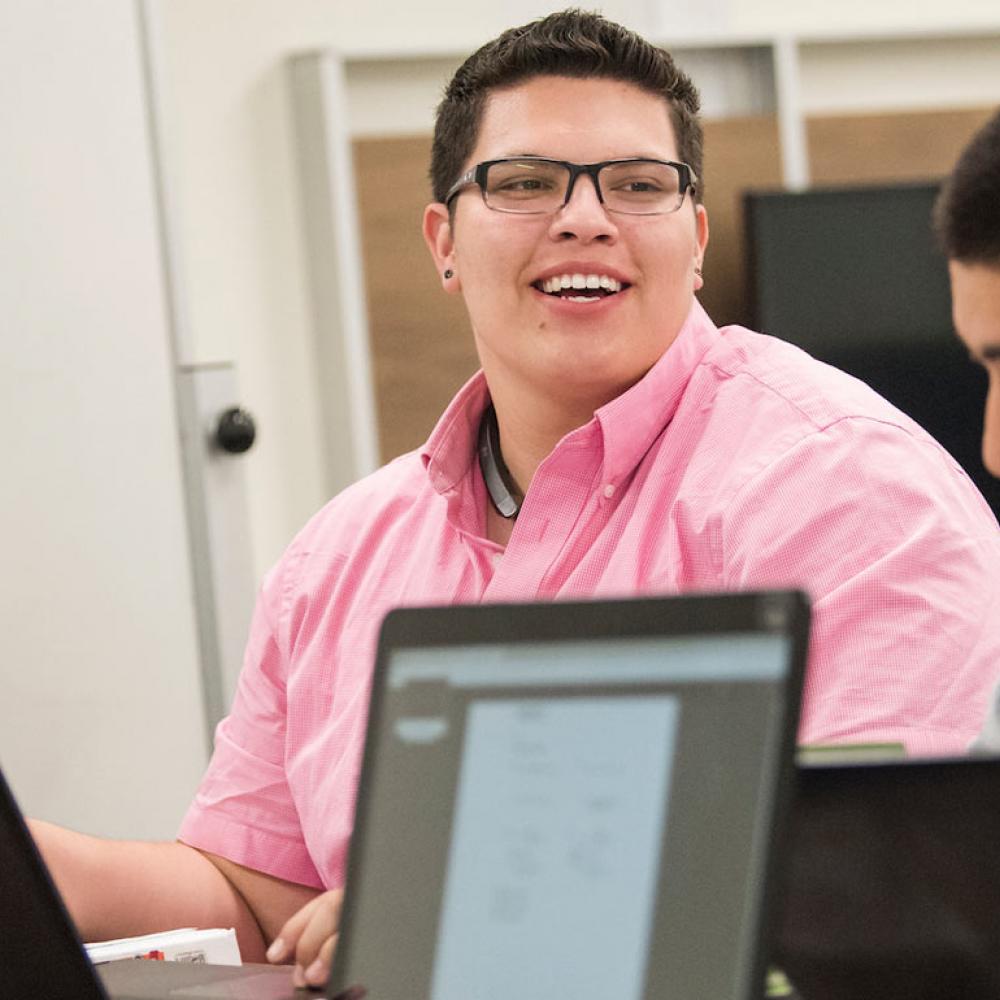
234, 152
902, 75
100, 707
855, 16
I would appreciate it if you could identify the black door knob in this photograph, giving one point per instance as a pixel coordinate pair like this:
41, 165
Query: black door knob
235, 432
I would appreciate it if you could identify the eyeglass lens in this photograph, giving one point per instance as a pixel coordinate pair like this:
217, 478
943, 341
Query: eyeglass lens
634, 187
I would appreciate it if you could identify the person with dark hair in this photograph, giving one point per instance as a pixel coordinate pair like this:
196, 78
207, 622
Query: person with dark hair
614, 442
967, 221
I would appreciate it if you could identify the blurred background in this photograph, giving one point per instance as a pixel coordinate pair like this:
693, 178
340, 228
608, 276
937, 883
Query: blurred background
214, 205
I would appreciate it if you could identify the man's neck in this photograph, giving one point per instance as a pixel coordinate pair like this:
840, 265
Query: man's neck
529, 433
531, 421
526, 440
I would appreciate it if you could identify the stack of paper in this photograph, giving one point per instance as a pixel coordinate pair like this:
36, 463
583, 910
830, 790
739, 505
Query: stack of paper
214, 946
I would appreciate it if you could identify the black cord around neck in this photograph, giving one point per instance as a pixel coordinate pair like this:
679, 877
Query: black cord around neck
500, 485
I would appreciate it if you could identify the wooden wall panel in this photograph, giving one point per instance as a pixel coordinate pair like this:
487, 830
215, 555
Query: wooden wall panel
741, 154
421, 340
915, 146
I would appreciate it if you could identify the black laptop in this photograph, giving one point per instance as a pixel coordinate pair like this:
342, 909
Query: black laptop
891, 879
561, 799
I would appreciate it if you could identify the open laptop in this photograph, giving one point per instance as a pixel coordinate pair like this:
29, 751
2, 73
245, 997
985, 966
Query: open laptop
562, 799
892, 882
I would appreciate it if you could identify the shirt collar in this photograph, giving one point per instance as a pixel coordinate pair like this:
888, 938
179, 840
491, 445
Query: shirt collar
453, 443
628, 424
631, 422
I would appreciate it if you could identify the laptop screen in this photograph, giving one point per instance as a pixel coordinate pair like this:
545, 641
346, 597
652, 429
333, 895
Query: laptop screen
533, 814
892, 882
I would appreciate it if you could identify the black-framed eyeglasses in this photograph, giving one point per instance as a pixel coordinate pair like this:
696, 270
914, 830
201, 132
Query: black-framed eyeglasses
533, 185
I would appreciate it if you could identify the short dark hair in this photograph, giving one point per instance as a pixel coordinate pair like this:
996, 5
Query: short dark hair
967, 211
571, 43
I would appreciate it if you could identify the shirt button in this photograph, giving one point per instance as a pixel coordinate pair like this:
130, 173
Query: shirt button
609, 490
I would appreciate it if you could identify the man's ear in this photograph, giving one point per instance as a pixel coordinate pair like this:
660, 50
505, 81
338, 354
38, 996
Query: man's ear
701, 230
440, 242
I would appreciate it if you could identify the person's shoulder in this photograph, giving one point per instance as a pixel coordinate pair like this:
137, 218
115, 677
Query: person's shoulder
392, 487
778, 372
767, 405
335, 531
780, 409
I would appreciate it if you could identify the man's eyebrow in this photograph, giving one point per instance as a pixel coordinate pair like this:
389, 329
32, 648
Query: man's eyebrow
990, 352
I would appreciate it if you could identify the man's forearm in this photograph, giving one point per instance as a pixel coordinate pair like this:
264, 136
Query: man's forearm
118, 889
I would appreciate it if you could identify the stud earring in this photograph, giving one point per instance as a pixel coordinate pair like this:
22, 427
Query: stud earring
449, 273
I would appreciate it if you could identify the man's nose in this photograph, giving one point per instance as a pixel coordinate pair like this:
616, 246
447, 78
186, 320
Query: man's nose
583, 217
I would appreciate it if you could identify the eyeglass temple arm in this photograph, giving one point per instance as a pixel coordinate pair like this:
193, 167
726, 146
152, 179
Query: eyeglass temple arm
467, 178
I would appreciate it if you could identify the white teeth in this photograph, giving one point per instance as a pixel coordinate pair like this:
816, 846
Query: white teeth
581, 281
582, 298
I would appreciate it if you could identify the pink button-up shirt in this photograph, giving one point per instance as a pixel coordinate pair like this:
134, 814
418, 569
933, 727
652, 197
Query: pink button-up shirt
737, 462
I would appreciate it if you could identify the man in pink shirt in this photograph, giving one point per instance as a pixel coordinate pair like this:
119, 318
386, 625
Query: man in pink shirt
615, 442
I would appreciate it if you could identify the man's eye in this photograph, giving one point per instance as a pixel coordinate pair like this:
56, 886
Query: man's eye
523, 185
639, 186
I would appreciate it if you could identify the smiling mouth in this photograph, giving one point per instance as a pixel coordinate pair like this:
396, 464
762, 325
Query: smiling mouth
581, 287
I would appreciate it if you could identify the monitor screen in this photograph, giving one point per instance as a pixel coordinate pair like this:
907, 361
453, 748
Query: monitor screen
853, 276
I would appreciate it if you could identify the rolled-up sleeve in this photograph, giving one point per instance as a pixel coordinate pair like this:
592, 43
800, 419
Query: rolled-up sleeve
244, 809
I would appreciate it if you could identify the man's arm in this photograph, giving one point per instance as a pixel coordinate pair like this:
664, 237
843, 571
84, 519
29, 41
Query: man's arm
123, 888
